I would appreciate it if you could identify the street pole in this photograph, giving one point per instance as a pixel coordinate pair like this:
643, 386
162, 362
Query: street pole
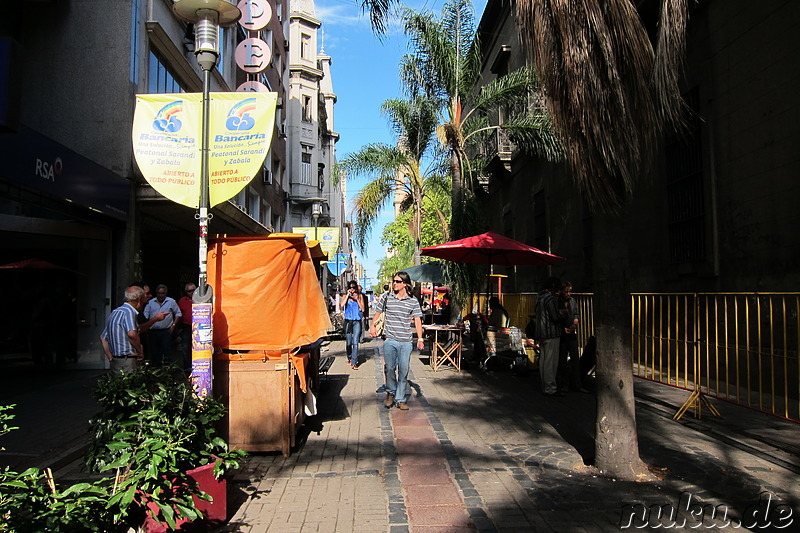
206, 15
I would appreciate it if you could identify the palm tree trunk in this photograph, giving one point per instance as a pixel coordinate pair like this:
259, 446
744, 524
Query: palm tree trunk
417, 233
457, 197
616, 439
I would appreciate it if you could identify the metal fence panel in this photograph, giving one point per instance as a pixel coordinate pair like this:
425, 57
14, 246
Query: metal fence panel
740, 347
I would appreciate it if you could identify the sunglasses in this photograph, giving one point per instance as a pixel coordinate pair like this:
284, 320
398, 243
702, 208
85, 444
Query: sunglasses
397, 281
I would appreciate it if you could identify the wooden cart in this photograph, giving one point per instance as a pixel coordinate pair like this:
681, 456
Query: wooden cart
268, 313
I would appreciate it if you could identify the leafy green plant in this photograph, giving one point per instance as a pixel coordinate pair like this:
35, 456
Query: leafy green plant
152, 429
30, 501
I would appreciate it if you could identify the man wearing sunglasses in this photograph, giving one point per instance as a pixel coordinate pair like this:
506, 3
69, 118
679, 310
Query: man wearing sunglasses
400, 308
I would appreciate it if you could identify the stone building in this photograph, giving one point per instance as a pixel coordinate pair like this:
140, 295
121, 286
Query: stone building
70, 191
718, 213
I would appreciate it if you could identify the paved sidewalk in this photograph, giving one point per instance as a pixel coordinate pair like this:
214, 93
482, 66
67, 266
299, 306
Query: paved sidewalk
476, 452
488, 452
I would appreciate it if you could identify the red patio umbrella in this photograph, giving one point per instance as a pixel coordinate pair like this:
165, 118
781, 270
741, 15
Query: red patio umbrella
491, 249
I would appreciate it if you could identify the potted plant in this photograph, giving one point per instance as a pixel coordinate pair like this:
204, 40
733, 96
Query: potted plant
158, 438
30, 501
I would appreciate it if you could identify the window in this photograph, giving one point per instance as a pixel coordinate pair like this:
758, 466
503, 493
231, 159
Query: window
160, 78
540, 230
305, 166
685, 191
253, 204
221, 47
305, 46
307, 109
135, 40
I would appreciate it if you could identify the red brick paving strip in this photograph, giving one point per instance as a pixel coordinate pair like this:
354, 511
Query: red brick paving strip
432, 499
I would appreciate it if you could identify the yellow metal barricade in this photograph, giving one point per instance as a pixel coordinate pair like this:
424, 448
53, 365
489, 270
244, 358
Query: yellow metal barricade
739, 347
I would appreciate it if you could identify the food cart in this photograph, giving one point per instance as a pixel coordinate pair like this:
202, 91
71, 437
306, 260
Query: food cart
269, 314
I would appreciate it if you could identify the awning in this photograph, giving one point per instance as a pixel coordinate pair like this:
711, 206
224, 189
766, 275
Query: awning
266, 293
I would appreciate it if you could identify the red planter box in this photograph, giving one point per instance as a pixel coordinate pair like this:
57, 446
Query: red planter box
214, 511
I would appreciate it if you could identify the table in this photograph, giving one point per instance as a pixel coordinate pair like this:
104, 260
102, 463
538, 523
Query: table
446, 345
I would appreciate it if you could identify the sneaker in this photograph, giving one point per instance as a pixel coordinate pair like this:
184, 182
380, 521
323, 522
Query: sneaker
403, 406
389, 401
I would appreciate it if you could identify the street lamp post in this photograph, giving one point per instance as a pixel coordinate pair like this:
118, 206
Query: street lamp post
207, 16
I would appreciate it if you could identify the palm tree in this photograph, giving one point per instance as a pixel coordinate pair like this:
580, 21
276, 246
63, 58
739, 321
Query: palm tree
445, 64
610, 93
397, 170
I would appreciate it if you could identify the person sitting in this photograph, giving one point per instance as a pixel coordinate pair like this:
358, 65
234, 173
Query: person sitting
498, 316
498, 319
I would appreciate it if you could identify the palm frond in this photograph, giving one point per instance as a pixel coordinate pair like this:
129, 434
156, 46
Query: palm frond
506, 89
595, 62
367, 205
414, 121
379, 11
670, 51
375, 158
534, 134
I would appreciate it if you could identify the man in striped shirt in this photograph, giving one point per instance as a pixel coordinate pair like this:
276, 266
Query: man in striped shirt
401, 308
120, 337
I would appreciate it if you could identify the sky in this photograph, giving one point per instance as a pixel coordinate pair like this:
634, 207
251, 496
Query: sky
364, 71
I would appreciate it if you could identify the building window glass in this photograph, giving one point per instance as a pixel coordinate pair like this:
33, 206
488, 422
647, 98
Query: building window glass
307, 109
135, 40
253, 204
540, 230
160, 78
685, 191
305, 168
222, 44
305, 46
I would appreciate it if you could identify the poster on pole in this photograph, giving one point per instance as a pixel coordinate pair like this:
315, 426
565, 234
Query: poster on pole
167, 142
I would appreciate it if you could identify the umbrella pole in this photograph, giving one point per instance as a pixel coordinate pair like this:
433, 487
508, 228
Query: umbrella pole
488, 286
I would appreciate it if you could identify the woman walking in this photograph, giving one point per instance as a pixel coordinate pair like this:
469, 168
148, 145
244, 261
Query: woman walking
353, 317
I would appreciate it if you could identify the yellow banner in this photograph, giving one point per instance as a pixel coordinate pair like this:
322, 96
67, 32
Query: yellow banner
328, 238
167, 139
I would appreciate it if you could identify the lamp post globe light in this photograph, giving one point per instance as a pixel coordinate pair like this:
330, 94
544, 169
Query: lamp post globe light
207, 16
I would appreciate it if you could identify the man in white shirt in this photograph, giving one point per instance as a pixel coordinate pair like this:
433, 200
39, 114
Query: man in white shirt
161, 331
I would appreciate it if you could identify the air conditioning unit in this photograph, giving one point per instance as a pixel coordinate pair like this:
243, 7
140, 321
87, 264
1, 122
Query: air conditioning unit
283, 131
286, 44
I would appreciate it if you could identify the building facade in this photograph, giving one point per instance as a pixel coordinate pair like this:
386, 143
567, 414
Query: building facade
316, 194
717, 213
70, 192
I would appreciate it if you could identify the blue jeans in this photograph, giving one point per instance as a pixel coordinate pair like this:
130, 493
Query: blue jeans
352, 335
397, 358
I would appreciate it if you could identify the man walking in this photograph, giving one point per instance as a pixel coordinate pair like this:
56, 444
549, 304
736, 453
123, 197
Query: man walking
161, 331
120, 337
400, 308
548, 331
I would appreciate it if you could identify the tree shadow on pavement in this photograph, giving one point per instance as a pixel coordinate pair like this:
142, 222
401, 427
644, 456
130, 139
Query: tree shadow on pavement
687, 460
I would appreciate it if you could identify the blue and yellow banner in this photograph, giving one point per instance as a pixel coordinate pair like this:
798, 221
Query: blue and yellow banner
167, 139
328, 238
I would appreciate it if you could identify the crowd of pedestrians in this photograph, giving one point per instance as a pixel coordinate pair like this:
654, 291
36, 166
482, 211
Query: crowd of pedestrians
147, 330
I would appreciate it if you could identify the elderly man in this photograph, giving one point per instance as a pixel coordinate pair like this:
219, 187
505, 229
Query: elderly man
161, 331
120, 337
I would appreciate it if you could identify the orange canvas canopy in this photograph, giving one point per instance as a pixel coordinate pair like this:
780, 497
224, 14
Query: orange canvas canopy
266, 293
315, 249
